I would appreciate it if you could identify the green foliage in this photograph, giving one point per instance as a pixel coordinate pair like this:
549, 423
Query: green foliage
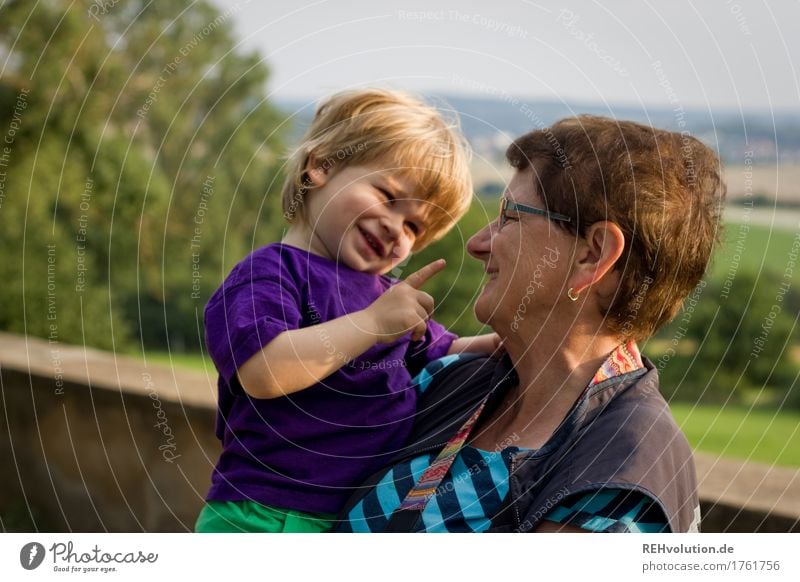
144, 153
755, 249
457, 287
733, 337
754, 434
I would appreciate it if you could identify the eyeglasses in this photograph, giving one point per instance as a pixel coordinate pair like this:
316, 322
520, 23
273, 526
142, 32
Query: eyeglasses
506, 205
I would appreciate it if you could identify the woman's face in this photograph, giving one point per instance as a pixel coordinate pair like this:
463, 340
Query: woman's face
527, 261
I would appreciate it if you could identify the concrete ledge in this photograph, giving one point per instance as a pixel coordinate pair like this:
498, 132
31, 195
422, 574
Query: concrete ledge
99, 442
739, 496
95, 368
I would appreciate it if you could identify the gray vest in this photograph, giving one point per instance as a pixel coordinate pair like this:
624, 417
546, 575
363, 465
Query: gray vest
621, 435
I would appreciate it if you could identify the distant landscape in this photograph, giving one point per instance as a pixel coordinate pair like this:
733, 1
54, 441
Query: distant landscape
760, 150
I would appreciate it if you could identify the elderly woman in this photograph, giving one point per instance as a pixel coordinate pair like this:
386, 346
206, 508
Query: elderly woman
604, 229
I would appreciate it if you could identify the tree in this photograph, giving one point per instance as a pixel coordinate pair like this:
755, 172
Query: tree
732, 339
146, 155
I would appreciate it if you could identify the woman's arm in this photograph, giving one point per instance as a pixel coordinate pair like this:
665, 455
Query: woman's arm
481, 344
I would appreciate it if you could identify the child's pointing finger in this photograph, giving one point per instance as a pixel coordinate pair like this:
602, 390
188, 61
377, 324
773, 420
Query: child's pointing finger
419, 278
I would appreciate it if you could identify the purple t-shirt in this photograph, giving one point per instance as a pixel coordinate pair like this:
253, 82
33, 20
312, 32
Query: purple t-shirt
306, 451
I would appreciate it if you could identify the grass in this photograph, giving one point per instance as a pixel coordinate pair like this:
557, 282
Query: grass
195, 362
760, 248
760, 434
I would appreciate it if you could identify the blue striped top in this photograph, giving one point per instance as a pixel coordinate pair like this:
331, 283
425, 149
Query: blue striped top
474, 491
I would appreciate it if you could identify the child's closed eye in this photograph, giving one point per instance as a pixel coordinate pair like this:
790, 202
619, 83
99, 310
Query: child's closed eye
386, 194
412, 227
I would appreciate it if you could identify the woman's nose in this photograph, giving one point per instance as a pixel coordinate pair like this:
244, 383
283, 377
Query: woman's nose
480, 244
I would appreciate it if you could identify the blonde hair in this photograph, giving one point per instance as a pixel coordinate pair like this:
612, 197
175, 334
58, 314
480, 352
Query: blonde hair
398, 131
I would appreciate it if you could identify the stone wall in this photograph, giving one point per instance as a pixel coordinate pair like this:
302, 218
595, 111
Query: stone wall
119, 449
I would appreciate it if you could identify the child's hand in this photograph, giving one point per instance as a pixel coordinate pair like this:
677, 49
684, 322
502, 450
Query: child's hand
404, 307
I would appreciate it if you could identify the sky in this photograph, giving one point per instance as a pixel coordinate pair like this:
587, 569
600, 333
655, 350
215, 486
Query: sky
732, 54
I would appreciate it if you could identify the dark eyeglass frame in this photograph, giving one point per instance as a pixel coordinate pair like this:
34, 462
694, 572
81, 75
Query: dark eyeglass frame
506, 204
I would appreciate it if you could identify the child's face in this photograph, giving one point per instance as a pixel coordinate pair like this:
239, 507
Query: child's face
363, 217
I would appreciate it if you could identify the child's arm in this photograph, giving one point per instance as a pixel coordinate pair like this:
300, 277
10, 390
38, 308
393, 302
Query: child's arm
483, 344
299, 358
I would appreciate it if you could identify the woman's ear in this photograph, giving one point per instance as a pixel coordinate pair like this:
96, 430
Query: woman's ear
316, 172
596, 257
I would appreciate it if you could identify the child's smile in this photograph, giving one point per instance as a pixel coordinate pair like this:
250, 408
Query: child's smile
362, 217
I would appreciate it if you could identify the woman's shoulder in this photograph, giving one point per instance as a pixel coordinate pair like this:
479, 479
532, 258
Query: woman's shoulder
630, 419
628, 441
612, 510
646, 411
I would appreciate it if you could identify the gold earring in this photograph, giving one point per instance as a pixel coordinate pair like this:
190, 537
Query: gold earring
571, 296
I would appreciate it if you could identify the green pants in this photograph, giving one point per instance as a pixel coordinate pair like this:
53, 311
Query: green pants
249, 516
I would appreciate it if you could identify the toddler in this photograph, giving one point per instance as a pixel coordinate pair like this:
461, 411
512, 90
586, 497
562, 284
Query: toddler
315, 346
